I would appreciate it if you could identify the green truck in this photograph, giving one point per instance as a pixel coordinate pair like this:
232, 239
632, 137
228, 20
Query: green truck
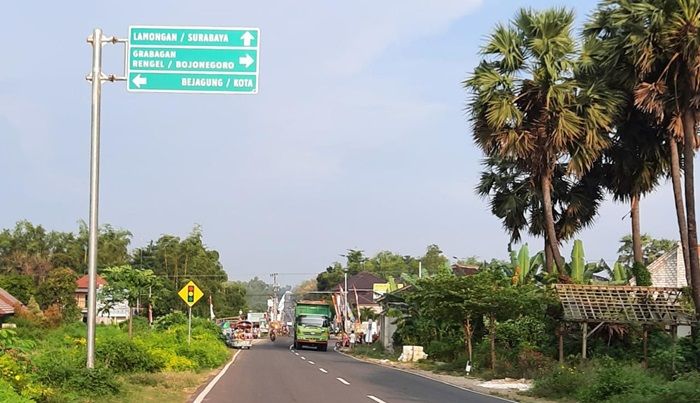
311, 324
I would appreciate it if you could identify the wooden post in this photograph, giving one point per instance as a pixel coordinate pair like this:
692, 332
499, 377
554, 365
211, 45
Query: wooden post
584, 339
645, 337
561, 343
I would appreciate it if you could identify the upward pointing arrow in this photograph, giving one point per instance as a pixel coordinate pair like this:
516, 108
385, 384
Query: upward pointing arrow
247, 37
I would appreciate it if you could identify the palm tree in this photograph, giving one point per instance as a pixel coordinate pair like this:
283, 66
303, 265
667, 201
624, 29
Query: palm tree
633, 166
515, 199
527, 105
634, 162
661, 39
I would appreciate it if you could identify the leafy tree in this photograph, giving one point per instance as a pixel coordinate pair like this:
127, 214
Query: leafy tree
333, 275
230, 300
257, 292
433, 260
178, 261
652, 249
527, 105
386, 264
20, 286
355, 261
59, 289
126, 283
448, 298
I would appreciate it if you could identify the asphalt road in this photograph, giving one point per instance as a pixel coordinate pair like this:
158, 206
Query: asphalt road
272, 372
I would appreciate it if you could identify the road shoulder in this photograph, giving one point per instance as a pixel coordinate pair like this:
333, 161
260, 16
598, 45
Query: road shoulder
470, 384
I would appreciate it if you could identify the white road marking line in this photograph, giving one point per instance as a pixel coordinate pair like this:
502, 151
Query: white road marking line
213, 382
343, 381
376, 399
311, 362
303, 358
291, 346
323, 370
296, 353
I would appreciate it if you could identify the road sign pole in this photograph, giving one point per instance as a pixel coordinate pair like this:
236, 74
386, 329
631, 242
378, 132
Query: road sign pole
189, 326
96, 41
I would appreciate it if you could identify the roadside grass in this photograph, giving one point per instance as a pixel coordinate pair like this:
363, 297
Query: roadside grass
157, 387
374, 350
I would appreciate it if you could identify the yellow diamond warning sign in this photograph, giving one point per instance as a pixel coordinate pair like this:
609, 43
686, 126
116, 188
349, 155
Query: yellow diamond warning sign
190, 293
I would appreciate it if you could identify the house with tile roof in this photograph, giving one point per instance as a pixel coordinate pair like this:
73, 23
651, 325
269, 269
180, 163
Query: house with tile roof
116, 314
361, 291
668, 270
8, 303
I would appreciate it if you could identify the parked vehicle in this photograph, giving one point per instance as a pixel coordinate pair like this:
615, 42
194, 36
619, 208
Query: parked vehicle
312, 324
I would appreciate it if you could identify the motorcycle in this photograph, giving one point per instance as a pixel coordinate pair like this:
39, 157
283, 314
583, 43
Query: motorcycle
272, 335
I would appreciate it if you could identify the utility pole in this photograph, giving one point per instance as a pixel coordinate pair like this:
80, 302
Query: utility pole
96, 76
345, 300
275, 289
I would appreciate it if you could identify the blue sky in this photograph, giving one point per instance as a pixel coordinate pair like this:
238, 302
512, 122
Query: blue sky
357, 139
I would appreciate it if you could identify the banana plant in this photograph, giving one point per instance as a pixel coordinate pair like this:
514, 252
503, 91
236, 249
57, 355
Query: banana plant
577, 267
619, 274
580, 272
525, 268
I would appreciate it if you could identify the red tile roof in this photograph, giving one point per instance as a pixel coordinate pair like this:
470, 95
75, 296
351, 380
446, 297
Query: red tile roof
7, 303
82, 282
464, 270
360, 281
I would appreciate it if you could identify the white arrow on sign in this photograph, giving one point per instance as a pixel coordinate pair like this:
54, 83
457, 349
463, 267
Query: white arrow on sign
247, 37
246, 60
139, 81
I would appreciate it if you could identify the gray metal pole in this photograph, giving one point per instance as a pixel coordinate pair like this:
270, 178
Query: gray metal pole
420, 269
96, 41
346, 300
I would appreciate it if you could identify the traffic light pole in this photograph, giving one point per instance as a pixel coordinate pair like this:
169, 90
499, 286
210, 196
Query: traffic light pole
189, 325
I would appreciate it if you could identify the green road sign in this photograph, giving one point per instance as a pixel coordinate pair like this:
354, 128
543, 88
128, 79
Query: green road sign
193, 59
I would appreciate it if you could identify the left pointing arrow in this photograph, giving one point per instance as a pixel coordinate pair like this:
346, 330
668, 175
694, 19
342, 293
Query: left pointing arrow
139, 81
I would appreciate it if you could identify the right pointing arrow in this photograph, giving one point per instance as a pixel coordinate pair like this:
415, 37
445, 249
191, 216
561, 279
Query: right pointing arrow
139, 81
246, 60
247, 37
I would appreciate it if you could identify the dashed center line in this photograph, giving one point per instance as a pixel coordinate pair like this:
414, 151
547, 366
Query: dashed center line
376, 399
323, 370
303, 358
296, 353
311, 362
343, 381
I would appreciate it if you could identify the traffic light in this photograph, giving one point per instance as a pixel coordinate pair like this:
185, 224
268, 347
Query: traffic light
190, 293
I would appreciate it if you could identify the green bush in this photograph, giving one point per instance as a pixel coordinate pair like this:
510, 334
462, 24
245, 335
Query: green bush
444, 349
684, 389
613, 381
561, 382
57, 367
66, 369
139, 325
167, 321
95, 382
206, 354
124, 355
8, 394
